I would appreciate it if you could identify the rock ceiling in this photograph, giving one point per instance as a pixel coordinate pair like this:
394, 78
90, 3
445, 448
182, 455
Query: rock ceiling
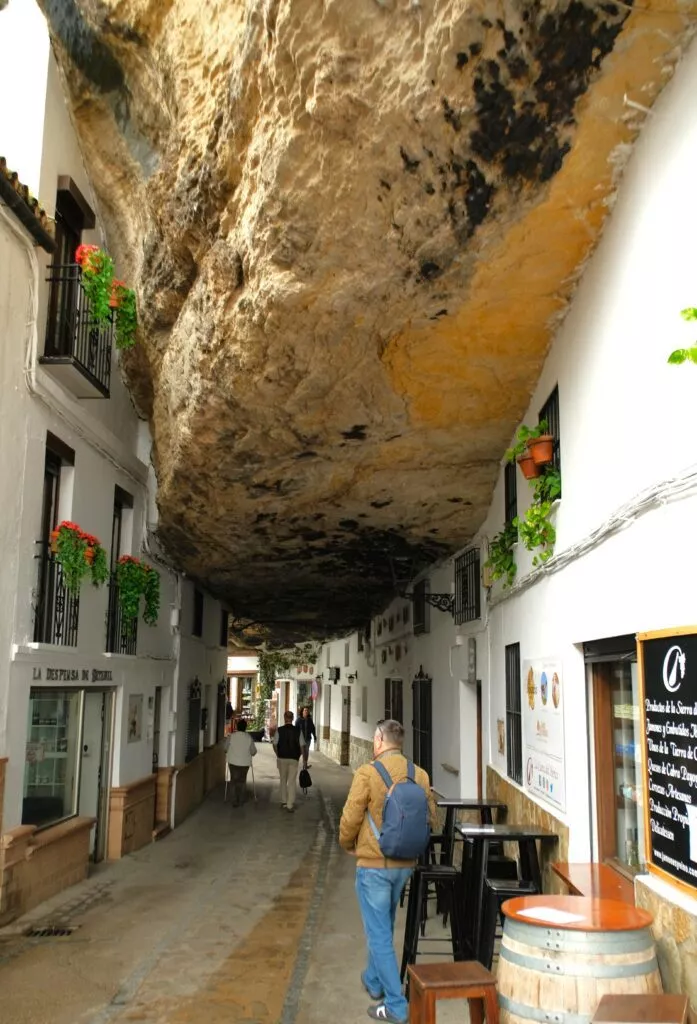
354, 225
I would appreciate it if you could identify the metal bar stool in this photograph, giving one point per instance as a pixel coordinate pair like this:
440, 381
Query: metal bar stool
448, 883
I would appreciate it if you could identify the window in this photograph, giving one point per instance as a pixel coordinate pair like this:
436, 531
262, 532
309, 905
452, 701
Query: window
56, 611
421, 608
78, 348
394, 706
224, 615
52, 758
550, 413
467, 590
359, 637
121, 634
328, 654
514, 745
197, 628
347, 654
510, 492
614, 684
194, 721
364, 704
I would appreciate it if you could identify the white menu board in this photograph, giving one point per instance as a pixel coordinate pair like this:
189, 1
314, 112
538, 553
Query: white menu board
543, 730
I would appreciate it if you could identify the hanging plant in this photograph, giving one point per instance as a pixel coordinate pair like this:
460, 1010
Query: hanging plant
501, 561
137, 579
126, 317
80, 555
535, 528
97, 277
685, 355
523, 436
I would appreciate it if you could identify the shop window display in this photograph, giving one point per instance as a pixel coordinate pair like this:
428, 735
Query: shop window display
52, 756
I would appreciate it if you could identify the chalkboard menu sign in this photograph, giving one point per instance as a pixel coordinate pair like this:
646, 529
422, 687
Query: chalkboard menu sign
668, 673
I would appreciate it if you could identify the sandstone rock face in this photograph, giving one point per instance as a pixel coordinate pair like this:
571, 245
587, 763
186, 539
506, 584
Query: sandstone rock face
353, 227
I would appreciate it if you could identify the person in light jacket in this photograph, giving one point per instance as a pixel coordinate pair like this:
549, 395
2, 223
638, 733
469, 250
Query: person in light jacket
240, 748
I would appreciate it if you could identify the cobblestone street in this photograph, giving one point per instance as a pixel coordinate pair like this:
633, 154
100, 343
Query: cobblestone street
239, 915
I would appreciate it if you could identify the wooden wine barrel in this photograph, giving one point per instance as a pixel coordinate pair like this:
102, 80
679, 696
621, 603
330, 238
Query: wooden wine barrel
557, 972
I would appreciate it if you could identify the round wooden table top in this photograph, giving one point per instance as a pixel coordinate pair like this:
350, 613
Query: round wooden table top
577, 913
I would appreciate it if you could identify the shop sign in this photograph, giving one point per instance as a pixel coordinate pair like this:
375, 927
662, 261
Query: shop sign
71, 675
543, 731
667, 662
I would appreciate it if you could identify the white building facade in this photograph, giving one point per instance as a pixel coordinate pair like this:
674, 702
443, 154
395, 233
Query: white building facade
534, 695
109, 729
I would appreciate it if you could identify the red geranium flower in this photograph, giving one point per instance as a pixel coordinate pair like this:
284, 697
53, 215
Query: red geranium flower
83, 254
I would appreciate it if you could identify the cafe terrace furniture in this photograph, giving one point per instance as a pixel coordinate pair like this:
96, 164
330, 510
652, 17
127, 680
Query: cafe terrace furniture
496, 892
475, 869
452, 806
449, 884
466, 980
597, 880
560, 954
664, 1009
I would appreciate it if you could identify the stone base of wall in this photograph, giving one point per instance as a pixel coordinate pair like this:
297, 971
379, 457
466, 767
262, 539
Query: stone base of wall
332, 747
194, 780
34, 866
3, 762
675, 934
163, 795
131, 816
360, 751
523, 810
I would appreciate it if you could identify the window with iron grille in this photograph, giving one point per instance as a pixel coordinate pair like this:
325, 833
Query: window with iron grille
421, 609
550, 414
511, 492
394, 699
514, 742
197, 628
467, 590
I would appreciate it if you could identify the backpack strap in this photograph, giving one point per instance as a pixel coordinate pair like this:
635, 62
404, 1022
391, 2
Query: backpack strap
384, 774
410, 771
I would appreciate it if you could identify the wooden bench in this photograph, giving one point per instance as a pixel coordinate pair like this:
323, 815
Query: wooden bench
643, 1009
464, 980
596, 880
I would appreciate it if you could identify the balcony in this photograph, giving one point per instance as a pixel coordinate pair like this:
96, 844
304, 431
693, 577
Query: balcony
121, 633
77, 350
56, 611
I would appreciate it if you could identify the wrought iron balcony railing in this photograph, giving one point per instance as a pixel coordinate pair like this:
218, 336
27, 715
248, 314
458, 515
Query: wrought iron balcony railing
57, 610
121, 633
77, 349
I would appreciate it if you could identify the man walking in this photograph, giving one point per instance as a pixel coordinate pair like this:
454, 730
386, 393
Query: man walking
288, 743
240, 749
307, 727
380, 879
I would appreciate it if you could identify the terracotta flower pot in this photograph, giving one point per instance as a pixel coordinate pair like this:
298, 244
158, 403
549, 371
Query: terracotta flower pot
542, 449
529, 466
53, 541
89, 555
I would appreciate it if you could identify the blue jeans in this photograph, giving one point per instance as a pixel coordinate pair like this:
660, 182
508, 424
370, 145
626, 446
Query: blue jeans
378, 891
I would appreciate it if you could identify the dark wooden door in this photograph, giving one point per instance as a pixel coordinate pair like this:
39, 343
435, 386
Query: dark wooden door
422, 723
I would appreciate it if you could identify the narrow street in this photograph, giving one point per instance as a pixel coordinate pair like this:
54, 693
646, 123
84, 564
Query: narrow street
239, 915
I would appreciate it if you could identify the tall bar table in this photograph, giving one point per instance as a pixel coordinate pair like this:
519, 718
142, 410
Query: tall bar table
482, 837
452, 806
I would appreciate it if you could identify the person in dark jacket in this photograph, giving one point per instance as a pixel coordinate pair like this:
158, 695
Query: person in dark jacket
307, 728
288, 743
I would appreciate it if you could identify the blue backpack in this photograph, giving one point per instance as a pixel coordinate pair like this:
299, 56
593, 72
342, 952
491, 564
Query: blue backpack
405, 828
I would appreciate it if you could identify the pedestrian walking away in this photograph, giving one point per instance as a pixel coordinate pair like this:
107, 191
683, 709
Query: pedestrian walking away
289, 744
307, 727
385, 828
240, 749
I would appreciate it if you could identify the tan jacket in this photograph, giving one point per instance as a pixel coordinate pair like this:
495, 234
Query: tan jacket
368, 793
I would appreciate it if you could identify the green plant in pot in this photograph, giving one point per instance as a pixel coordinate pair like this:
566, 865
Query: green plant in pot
501, 562
97, 277
685, 355
527, 442
136, 579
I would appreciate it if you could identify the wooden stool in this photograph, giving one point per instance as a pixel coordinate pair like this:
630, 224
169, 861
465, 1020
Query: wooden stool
644, 1009
464, 980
